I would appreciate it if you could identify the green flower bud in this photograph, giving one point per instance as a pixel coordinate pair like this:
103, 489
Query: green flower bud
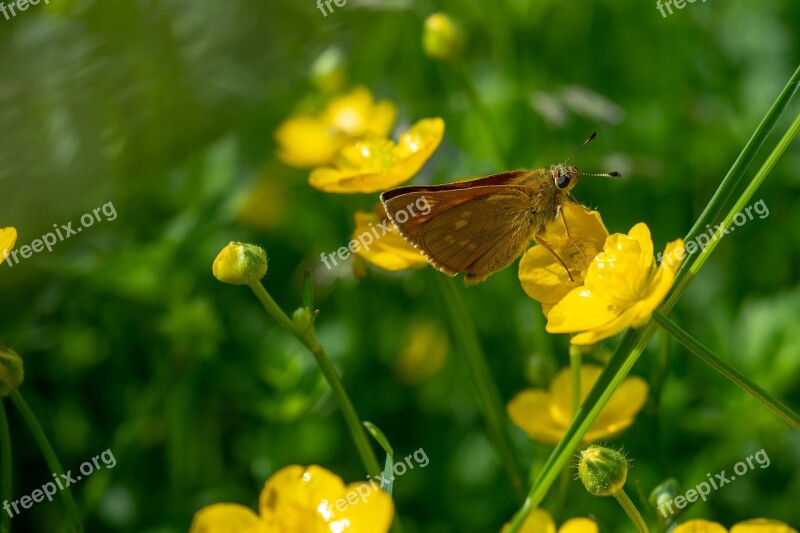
12, 371
240, 264
328, 71
303, 317
602, 471
442, 38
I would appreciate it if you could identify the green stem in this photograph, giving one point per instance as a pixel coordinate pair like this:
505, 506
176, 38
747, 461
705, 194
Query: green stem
631, 510
49, 455
309, 339
694, 346
6, 472
634, 342
486, 389
483, 114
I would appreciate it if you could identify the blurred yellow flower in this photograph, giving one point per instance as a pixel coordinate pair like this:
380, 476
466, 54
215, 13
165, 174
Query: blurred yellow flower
757, 525
307, 140
542, 276
376, 164
424, 354
540, 521
545, 415
8, 236
388, 249
623, 287
303, 500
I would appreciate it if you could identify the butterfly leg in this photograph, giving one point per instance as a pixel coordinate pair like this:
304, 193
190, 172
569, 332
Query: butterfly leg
560, 214
549, 249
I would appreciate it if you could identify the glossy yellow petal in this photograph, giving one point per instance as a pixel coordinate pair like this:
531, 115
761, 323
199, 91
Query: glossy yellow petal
616, 325
227, 518
617, 272
542, 276
8, 236
538, 521
581, 309
305, 141
374, 164
300, 498
579, 525
381, 245
700, 526
762, 525
532, 410
371, 513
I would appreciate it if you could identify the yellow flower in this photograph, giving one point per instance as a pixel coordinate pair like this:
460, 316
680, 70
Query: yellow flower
8, 236
757, 525
623, 287
424, 354
381, 245
442, 39
546, 415
542, 276
303, 500
307, 140
376, 164
540, 521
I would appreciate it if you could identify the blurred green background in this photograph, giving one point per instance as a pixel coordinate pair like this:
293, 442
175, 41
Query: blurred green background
167, 109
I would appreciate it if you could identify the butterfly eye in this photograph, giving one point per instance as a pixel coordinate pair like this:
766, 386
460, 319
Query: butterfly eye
562, 181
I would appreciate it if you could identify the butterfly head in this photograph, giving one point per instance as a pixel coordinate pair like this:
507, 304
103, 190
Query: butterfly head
564, 176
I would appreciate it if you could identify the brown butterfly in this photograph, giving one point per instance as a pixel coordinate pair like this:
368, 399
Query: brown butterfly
481, 226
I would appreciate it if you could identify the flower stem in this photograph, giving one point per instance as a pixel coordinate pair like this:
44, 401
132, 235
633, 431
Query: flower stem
694, 346
309, 339
488, 396
6, 472
49, 455
634, 342
575, 369
631, 510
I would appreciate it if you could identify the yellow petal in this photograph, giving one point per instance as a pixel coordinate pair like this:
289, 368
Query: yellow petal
227, 518
374, 164
532, 411
614, 326
762, 525
699, 526
372, 513
664, 279
383, 116
579, 525
618, 272
8, 236
582, 309
539, 521
297, 497
305, 141
389, 250
355, 114
542, 276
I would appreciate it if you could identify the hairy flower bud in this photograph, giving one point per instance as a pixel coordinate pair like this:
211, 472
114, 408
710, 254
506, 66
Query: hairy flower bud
602, 471
240, 264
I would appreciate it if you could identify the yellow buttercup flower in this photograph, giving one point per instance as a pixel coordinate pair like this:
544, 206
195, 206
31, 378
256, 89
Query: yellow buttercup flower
303, 500
376, 164
8, 236
757, 525
381, 245
540, 521
543, 278
307, 140
623, 287
545, 415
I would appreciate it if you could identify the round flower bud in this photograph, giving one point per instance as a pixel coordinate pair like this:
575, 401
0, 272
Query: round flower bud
11, 371
442, 38
602, 471
240, 264
328, 71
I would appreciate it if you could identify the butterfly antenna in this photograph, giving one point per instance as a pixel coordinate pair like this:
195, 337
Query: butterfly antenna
587, 141
602, 174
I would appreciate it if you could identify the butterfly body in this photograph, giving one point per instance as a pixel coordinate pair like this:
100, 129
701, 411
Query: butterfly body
481, 226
